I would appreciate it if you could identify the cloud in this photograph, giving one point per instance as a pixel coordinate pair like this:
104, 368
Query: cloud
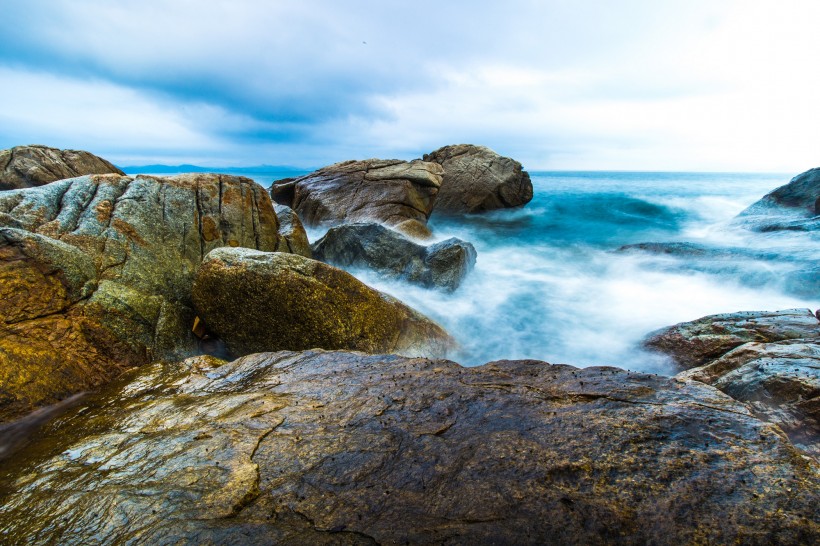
558, 84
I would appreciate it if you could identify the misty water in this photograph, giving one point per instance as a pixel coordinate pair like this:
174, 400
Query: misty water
550, 282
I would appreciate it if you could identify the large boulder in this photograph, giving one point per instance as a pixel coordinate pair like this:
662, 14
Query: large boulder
97, 274
291, 228
29, 166
476, 179
346, 448
385, 191
794, 206
374, 246
780, 381
266, 301
695, 343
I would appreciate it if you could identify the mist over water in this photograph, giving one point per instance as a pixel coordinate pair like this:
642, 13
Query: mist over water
550, 283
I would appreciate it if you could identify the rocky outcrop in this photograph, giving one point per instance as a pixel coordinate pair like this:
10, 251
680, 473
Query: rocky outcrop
262, 301
794, 206
291, 228
780, 381
29, 166
346, 448
385, 191
476, 179
373, 246
695, 343
97, 274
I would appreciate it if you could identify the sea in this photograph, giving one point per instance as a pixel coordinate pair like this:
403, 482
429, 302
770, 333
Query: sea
553, 281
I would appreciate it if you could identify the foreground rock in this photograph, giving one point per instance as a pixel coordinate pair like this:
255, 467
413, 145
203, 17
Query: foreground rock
291, 228
29, 166
373, 246
780, 381
386, 191
344, 448
97, 274
692, 344
476, 179
794, 206
258, 301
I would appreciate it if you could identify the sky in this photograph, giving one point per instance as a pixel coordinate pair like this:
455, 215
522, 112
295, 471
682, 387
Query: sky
678, 85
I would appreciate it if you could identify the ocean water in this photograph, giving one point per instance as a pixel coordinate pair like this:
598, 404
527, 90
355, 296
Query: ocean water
550, 282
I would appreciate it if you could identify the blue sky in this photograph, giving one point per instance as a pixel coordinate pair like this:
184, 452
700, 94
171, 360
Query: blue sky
557, 84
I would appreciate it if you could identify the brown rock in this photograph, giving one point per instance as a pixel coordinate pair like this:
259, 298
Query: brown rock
476, 179
29, 166
345, 448
264, 301
692, 344
385, 191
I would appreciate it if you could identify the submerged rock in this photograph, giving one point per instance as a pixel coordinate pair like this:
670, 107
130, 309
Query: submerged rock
384, 191
692, 344
373, 246
792, 207
265, 301
29, 166
345, 448
97, 274
780, 381
476, 179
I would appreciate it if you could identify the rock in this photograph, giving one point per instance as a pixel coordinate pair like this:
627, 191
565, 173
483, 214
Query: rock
476, 179
265, 301
692, 344
780, 381
29, 166
97, 274
792, 207
291, 228
346, 448
414, 229
385, 191
373, 246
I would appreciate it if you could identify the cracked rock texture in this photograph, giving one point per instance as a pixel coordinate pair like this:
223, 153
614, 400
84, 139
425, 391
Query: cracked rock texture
29, 166
266, 301
386, 191
373, 246
692, 344
780, 381
476, 179
291, 228
346, 448
97, 274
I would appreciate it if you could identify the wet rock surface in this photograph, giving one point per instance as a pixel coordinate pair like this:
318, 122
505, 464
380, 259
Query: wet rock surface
346, 448
384, 191
97, 274
373, 246
792, 207
692, 344
780, 381
30, 166
263, 301
476, 179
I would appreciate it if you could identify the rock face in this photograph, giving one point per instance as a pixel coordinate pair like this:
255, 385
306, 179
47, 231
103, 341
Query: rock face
385, 191
373, 246
476, 179
29, 166
794, 206
345, 448
291, 228
692, 344
97, 274
262, 301
780, 381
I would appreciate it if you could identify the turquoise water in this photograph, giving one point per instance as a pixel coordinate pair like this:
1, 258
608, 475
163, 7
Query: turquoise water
551, 284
